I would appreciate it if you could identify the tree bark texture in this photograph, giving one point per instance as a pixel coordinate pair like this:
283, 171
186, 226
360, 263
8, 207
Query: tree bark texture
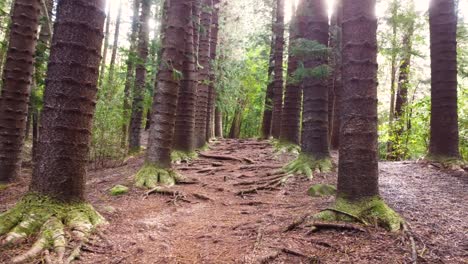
140, 77
165, 101
358, 163
314, 25
69, 100
17, 77
444, 118
278, 82
212, 90
106, 45
218, 123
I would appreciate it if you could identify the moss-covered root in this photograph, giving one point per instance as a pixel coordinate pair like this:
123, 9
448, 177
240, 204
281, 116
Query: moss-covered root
307, 165
372, 211
285, 147
51, 220
151, 176
183, 156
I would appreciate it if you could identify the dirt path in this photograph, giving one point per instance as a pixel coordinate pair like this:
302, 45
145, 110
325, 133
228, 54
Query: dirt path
218, 220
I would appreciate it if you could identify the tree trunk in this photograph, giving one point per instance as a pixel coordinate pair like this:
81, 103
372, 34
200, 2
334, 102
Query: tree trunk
184, 135
106, 45
291, 114
140, 77
315, 114
212, 90
235, 130
17, 74
444, 118
165, 103
218, 123
129, 79
110, 79
204, 74
69, 100
358, 163
278, 82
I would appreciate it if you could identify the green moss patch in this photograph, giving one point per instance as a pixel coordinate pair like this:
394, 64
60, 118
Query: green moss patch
281, 146
3, 187
118, 190
319, 190
178, 156
372, 211
151, 176
306, 165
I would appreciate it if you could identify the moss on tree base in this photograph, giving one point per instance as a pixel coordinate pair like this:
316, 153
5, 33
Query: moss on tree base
447, 162
178, 156
151, 176
372, 211
50, 219
306, 165
285, 147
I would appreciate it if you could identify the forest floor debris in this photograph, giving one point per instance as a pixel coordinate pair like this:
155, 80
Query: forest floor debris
206, 222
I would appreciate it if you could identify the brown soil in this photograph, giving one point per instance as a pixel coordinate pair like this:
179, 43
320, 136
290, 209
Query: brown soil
212, 222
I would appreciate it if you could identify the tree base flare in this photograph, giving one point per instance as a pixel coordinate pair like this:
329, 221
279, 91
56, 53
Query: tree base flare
50, 219
150, 176
307, 165
285, 147
178, 156
372, 211
447, 162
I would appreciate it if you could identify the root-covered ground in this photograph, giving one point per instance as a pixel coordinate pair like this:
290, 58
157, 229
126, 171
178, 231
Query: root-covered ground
237, 208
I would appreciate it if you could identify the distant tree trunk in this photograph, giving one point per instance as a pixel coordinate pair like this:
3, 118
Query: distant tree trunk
315, 114
164, 105
129, 79
218, 123
110, 79
184, 134
212, 90
235, 130
106, 45
278, 82
17, 74
358, 164
394, 66
204, 73
337, 83
196, 29
140, 77
444, 118
291, 114
69, 100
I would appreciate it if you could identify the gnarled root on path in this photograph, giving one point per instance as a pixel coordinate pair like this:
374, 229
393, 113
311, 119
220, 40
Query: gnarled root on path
371, 211
50, 219
150, 176
307, 165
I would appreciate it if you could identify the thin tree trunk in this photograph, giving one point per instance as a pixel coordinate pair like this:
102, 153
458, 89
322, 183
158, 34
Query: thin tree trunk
110, 79
17, 74
218, 123
106, 45
165, 103
204, 74
140, 77
278, 82
69, 100
315, 114
212, 91
358, 164
444, 118
235, 130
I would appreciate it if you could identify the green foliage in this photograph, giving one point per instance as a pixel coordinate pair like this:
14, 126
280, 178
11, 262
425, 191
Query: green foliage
310, 49
302, 73
118, 190
306, 164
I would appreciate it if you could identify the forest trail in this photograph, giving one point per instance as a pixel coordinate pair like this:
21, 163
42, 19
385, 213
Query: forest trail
212, 221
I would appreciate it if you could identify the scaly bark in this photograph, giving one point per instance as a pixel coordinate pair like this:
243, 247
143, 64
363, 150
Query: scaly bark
315, 114
69, 100
444, 118
204, 73
140, 77
211, 87
165, 103
17, 74
278, 82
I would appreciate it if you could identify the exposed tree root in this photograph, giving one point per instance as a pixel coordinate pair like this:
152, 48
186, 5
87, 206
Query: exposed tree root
306, 165
270, 186
296, 223
371, 211
220, 157
183, 156
50, 219
316, 226
262, 166
150, 176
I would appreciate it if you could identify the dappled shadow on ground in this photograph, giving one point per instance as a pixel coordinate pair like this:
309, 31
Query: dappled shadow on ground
237, 211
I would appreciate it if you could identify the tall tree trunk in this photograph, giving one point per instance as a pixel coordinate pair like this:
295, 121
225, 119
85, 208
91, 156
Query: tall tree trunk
106, 45
358, 172
337, 83
184, 134
278, 82
291, 114
444, 118
394, 46
129, 79
69, 100
140, 77
218, 123
110, 79
212, 90
204, 73
165, 103
235, 130
315, 114
17, 74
